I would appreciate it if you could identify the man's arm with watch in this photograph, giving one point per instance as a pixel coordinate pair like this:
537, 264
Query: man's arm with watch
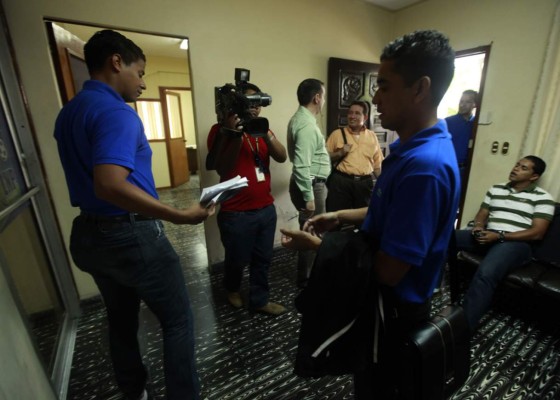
535, 232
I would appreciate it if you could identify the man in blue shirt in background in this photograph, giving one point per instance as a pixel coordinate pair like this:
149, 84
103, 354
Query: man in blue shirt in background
460, 126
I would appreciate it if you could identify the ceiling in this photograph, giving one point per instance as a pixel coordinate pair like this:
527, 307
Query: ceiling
152, 45
393, 5
166, 46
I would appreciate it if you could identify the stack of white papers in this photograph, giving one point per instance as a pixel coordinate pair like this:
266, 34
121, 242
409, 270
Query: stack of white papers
222, 191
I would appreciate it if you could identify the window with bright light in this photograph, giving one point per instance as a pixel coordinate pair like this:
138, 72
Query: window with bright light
468, 73
152, 118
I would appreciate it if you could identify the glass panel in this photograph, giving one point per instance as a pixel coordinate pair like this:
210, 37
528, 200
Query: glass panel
12, 184
22, 249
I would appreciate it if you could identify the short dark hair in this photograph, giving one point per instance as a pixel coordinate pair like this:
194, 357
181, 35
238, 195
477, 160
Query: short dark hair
472, 93
363, 104
423, 53
308, 89
248, 86
539, 166
104, 44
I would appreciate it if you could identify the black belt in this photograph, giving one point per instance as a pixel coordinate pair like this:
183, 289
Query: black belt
354, 177
316, 179
130, 217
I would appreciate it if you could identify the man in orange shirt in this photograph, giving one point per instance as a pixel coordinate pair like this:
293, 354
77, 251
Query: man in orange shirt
356, 158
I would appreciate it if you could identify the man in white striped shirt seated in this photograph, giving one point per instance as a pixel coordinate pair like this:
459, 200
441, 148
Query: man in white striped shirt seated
511, 217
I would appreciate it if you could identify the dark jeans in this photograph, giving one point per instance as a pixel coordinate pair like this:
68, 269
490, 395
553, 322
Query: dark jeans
499, 260
248, 238
347, 193
306, 257
133, 261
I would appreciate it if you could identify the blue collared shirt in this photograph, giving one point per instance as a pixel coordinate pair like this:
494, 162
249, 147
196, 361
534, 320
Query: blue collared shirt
461, 131
413, 208
98, 127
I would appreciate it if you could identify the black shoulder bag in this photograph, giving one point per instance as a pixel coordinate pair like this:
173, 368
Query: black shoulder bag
436, 355
335, 164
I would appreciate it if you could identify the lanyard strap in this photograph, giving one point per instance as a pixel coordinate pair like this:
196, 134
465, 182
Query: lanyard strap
257, 158
255, 153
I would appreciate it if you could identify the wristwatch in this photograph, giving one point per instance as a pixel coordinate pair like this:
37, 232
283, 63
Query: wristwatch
501, 237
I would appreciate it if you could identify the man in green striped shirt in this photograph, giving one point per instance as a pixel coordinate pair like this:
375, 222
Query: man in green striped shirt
511, 217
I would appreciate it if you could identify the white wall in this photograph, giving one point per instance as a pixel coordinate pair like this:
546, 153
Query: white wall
518, 32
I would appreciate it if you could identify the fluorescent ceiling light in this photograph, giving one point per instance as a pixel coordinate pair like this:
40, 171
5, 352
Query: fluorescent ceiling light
184, 44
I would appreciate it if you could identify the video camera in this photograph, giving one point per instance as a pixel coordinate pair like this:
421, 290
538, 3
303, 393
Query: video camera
231, 99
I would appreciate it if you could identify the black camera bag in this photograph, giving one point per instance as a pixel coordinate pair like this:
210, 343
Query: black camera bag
436, 355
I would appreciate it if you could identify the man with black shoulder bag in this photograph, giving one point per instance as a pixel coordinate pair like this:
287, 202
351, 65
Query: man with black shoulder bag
356, 161
411, 214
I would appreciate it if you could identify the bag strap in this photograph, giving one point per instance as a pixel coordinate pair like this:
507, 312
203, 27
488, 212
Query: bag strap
335, 164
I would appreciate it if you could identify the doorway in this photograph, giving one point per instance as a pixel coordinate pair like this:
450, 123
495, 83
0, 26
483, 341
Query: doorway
470, 74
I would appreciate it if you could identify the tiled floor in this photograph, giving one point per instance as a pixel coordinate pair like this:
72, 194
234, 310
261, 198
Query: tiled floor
250, 356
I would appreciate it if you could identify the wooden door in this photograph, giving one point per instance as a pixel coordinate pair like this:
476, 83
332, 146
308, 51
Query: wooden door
350, 80
175, 137
68, 59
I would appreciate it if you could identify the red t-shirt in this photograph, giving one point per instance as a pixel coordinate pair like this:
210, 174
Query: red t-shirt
257, 194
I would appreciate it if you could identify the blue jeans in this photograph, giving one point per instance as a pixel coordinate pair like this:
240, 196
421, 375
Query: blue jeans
306, 257
499, 260
248, 238
133, 261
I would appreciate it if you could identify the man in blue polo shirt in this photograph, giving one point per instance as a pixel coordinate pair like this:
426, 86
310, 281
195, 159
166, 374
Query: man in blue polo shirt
414, 202
118, 237
460, 127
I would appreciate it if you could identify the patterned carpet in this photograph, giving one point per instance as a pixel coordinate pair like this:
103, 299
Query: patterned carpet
241, 355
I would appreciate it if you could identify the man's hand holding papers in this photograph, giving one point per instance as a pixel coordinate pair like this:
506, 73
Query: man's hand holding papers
222, 191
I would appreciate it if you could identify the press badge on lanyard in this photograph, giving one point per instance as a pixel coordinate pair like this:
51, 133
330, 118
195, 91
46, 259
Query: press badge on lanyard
260, 168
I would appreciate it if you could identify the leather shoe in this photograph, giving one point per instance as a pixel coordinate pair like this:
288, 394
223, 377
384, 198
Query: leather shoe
234, 299
272, 309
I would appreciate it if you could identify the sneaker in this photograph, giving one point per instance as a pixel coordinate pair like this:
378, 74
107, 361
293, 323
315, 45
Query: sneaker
272, 309
234, 299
